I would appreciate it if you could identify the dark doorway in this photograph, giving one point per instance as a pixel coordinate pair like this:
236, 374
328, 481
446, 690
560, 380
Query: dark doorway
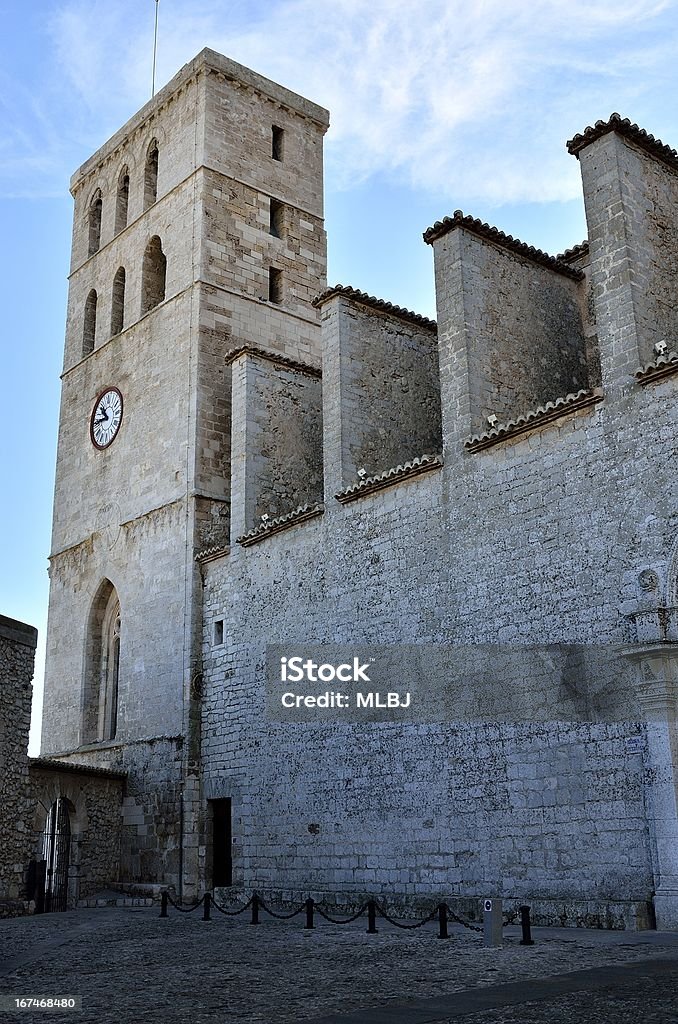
222, 863
56, 852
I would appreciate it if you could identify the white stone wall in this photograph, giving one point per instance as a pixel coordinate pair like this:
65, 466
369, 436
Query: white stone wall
136, 513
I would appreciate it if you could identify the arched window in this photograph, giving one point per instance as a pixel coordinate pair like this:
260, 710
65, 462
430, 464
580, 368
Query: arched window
151, 175
153, 273
118, 302
89, 328
110, 672
95, 208
122, 201
102, 667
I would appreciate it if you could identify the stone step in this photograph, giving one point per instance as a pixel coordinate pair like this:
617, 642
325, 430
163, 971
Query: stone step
116, 901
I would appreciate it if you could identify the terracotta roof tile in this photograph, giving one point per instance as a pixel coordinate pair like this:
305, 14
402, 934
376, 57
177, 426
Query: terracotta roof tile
381, 304
622, 125
460, 220
535, 418
421, 464
266, 529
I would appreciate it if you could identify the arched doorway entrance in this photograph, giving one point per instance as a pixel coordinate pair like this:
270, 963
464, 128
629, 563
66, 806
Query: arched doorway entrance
56, 855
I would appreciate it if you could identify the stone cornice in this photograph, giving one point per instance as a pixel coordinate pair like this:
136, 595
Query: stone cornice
272, 357
622, 126
52, 765
380, 304
662, 366
243, 78
491, 234
206, 62
273, 526
210, 554
18, 632
415, 467
534, 418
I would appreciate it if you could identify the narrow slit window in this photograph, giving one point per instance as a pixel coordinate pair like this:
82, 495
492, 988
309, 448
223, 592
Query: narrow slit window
151, 175
275, 285
118, 302
90, 323
153, 275
122, 201
277, 142
277, 219
218, 632
95, 210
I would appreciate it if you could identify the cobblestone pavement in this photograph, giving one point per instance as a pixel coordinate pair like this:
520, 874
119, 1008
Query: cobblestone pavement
130, 965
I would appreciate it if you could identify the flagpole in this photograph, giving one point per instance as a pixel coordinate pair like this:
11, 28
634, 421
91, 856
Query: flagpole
155, 46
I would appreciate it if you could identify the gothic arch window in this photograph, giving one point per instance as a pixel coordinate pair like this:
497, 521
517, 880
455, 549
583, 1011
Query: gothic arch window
153, 274
122, 201
110, 672
102, 667
89, 327
94, 221
151, 175
118, 302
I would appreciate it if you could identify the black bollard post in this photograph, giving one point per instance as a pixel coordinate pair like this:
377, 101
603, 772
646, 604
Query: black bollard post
442, 921
527, 939
371, 918
163, 904
255, 909
206, 911
309, 914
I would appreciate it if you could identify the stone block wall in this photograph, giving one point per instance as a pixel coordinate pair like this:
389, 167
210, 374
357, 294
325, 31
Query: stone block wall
631, 197
17, 654
545, 536
381, 392
276, 440
511, 326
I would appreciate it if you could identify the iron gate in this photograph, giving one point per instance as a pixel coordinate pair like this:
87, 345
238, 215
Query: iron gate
56, 852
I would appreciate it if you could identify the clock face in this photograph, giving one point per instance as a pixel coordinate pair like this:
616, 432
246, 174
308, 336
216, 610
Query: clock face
106, 418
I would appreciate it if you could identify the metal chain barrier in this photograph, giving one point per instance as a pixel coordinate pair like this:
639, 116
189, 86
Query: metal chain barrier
466, 924
417, 924
232, 913
178, 906
441, 911
281, 917
344, 920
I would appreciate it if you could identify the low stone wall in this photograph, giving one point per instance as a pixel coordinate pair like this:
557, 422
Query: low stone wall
17, 653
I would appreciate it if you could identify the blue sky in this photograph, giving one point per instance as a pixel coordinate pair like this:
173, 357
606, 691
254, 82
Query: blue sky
438, 105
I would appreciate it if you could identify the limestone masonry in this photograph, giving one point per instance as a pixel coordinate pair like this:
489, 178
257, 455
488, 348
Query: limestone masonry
249, 458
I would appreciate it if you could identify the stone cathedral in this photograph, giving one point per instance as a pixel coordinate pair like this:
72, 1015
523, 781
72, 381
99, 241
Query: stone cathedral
252, 464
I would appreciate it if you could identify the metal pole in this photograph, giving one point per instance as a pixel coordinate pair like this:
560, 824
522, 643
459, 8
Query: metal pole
442, 921
206, 909
309, 914
255, 909
372, 918
527, 939
163, 904
155, 46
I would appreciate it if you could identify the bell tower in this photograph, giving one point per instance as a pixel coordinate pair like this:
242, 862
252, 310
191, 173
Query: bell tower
197, 234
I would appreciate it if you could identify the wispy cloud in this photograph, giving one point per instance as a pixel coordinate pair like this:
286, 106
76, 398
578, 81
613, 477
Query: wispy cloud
471, 100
